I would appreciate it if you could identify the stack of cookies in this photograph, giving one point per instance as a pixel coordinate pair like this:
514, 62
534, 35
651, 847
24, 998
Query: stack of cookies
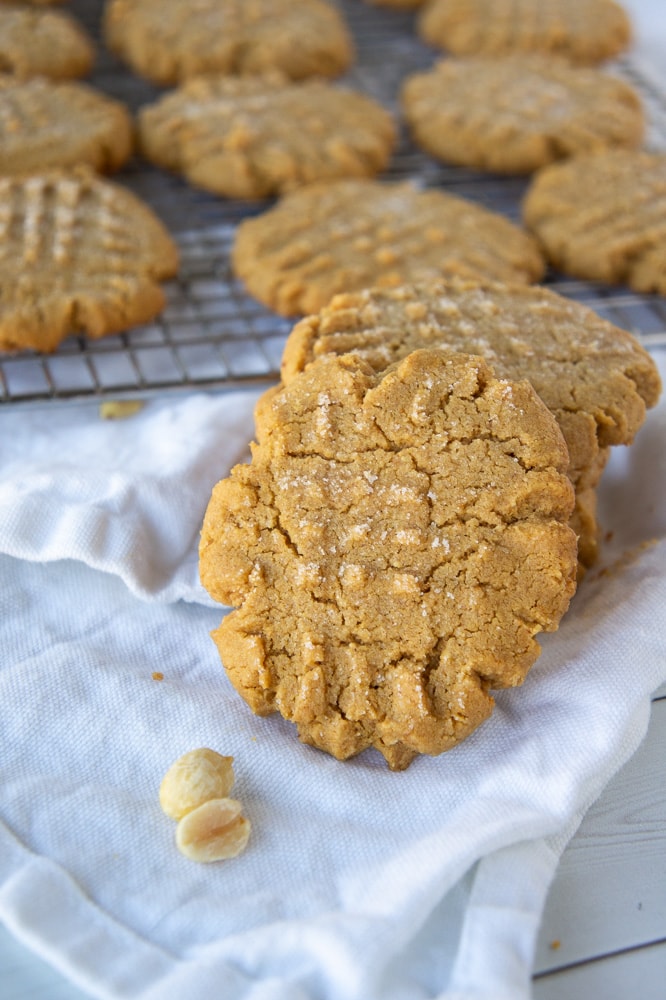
398, 540
421, 498
417, 508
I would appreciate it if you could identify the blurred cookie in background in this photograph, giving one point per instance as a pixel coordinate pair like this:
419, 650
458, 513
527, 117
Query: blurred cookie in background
48, 124
77, 255
253, 137
49, 43
168, 41
516, 113
583, 31
343, 236
603, 218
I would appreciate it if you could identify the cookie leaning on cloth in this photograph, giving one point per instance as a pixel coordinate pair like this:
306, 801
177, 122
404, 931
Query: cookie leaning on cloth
392, 549
36, 42
346, 235
77, 255
585, 32
46, 124
252, 137
603, 217
515, 113
594, 377
168, 41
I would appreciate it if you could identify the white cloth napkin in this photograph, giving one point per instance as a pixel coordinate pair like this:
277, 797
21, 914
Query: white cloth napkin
123, 496
358, 884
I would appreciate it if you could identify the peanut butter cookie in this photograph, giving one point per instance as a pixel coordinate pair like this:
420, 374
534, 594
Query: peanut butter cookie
604, 218
77, 254
36, 42
517, 113
168, 41
594, 377
251, 137
46, 124
353, 234
393, 548
583, 31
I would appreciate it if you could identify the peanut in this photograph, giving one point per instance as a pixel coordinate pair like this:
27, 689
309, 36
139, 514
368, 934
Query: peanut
195, 778
215, 831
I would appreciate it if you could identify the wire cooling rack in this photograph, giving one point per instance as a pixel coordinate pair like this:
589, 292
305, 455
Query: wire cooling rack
211, 334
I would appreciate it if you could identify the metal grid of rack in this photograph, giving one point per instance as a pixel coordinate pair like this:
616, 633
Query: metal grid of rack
211, 335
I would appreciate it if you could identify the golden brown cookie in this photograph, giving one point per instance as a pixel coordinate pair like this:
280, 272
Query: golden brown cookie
514, 114
583, 522
46, 124
594, 377
48, 43
353, 234
168, 41
583, 31
393, 548
604, 218
77, 255
251, 137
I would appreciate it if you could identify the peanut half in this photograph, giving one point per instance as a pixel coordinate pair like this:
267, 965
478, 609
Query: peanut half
215, 831
196, 777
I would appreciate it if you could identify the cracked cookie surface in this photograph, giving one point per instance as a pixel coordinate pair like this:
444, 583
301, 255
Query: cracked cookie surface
594, 377
168, 41
517, 113
392, 549
603, 217
44, 124
252, 137
342, 236
77, 255
585, 32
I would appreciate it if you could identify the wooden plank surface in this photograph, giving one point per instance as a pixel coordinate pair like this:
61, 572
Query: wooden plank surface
634, 975
609, 893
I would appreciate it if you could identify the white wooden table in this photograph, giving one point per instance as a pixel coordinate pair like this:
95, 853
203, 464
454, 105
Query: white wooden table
604, 928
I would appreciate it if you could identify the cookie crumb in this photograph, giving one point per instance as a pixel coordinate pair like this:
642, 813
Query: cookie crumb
120, 409
554, 945
157, 675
